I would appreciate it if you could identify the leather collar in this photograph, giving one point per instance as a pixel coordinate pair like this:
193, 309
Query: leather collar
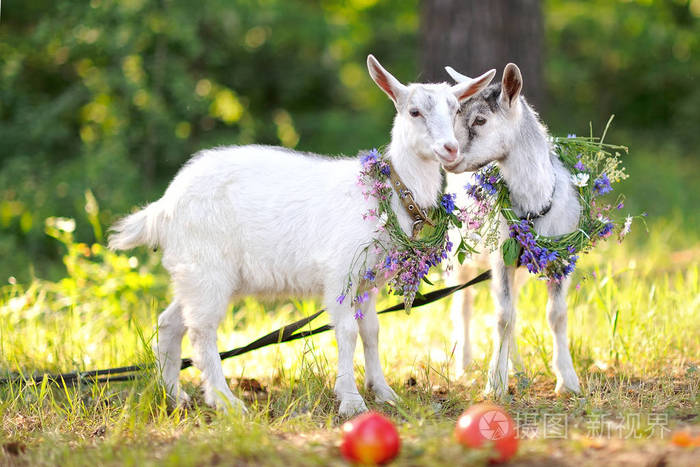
419, 216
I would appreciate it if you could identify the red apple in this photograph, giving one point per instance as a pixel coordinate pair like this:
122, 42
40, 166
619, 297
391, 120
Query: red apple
370, 439
487, 424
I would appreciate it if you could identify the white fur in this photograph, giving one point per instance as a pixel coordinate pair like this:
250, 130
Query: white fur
514, 137
270, 222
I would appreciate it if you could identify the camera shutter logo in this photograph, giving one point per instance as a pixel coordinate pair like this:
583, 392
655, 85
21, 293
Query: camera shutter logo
494, 425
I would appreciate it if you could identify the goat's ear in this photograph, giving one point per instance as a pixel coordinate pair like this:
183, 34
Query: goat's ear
457, 76
511, 85
467, 88
390, 85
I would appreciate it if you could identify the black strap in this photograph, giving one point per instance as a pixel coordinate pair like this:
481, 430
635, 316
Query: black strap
286, 333
532, 216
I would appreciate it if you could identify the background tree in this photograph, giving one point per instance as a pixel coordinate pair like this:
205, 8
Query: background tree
473, 36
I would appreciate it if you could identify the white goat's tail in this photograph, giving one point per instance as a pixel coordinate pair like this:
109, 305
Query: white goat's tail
140, 228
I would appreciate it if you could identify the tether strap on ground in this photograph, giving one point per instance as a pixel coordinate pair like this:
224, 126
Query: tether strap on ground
284, 334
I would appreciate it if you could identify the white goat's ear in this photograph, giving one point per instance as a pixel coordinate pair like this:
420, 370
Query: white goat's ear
456, 75
390, 85
466, 89
511, 84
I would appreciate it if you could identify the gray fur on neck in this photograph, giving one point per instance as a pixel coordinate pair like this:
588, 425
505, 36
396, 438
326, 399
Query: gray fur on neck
533, 173
527, 167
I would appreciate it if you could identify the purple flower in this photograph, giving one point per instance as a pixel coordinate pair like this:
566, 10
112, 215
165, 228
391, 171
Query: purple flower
621, 205
549, 256
448, 202
485, 183
523, 234
607, 230
370, 158
579, 166
370, 275
359, 314
569, 268
340, 299
602, 185
528, 260
362, 298
571, 135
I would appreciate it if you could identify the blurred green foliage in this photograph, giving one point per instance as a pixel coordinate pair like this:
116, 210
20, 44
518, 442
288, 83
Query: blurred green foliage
639, 60
636, 59
111, 97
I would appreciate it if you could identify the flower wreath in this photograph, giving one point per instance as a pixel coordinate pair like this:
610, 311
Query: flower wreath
594, 166
404, 260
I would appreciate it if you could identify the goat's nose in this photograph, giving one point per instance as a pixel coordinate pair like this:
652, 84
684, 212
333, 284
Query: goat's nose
451, 149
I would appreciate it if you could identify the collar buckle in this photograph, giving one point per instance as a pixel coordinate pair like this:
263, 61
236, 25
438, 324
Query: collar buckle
419, 216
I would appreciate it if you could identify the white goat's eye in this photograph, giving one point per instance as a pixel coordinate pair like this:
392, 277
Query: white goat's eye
414, 112
479, 121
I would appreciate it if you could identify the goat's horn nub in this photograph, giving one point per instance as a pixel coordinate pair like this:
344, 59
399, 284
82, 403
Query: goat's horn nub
457, 76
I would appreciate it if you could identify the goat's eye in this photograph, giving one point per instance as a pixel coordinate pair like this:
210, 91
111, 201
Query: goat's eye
479, 121
414, 112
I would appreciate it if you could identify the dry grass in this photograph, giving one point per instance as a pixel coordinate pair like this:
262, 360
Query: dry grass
634, 332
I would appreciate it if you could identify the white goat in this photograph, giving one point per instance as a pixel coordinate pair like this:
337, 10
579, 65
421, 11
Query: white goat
271, 222
499, 125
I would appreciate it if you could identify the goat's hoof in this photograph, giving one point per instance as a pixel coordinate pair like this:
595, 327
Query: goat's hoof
495, 392
226, 403
464, 364
183, 399
384, 393
352, 405
178, 398
235, 405
463, 370
571, 389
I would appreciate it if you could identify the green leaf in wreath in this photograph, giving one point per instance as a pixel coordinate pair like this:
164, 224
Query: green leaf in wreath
461, 256
455, 220
510, 250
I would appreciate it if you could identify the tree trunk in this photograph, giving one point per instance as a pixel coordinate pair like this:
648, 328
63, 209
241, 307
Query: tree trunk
473, 36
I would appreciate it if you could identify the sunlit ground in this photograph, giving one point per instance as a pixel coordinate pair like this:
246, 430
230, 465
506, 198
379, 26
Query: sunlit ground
634, 331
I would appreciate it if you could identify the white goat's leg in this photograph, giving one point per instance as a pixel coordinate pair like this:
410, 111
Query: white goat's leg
369, 331
502, 290
203, 310
206, 359
461, 313
168, 349
567, 381
346, 329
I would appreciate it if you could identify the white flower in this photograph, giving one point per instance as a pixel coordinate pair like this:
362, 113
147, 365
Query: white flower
474, 237
64, 224
626, 227
580, 179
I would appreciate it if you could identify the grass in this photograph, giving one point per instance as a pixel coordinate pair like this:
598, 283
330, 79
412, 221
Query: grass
633, 324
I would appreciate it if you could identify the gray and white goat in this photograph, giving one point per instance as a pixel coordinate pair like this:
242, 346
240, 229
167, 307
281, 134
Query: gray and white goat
498, 125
